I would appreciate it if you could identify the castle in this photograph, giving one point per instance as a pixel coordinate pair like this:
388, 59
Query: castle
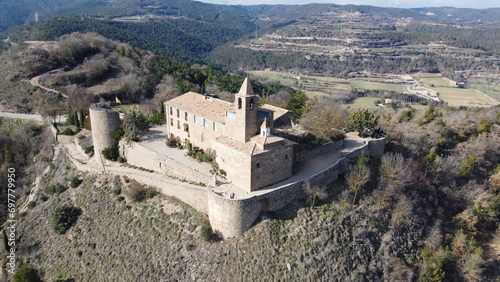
265, 171
251, 159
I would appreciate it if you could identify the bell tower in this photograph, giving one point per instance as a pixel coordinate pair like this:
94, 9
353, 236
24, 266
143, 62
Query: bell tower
245, 107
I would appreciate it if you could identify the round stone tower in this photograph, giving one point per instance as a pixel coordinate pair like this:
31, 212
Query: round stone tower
104, 121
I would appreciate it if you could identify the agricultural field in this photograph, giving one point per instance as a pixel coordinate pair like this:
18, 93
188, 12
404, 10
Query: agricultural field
363, 103
464, 97
312, 85
435, 81
371, 85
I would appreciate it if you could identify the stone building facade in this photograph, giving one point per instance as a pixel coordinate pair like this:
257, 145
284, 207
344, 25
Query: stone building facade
240, 133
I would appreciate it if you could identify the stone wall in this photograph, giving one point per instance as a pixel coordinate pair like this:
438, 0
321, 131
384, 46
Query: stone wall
271, 166
236, 164
104, 122
141, 156
330, 146
232, 217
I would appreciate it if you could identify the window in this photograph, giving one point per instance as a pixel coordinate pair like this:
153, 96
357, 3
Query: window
239, 103
171, 122
185, 116
204, 123
178, 124
258, 165
286, 157
195, 120
251, 103
215, 126
178, 113
171, 110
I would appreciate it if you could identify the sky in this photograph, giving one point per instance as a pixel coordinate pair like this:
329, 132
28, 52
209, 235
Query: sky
477, 4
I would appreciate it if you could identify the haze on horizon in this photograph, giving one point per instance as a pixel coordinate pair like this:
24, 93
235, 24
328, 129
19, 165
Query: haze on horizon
479, 4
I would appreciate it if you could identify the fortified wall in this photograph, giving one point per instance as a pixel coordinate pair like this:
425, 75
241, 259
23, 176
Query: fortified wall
141, 156
104, 121
228, 217
232, 217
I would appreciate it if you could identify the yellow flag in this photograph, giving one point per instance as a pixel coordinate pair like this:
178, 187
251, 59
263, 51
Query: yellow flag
118, 100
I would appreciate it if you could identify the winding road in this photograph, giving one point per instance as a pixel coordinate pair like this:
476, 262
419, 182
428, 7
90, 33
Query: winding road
35, 81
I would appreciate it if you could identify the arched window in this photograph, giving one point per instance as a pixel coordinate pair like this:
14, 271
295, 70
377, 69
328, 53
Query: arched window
251, 103
239, 103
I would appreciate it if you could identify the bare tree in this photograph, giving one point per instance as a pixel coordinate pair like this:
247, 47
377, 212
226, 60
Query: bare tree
166, 90
356, 177
280, 99
394, 175
325, 118
315, 192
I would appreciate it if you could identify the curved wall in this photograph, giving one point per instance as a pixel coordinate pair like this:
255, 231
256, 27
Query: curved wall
104, 122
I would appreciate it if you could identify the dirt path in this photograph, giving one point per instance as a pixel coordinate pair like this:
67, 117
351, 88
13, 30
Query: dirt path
35, 81
36, 187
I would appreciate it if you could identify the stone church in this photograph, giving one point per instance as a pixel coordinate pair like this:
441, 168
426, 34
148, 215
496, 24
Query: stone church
240, 132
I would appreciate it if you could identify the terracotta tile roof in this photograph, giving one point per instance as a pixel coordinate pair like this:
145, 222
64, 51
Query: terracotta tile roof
246, 148
194, 103
278, 112
257, 144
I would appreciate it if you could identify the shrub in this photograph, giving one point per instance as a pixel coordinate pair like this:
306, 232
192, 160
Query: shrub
494, 208
157, 119
63, 217
407, 115
495, 182
55, 189
117, 191
118, 134
433, 266
206, 231
89, 150
362, 119
140, 193
467, 166
75, 182
121, 159
86, 123
31, 204
44, 197
68, 131
431, 114
171, 142
112, 153
26, 274
484, 126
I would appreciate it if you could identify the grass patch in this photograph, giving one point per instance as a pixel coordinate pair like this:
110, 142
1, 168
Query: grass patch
436, 81
363, 103
464, 97
369, 85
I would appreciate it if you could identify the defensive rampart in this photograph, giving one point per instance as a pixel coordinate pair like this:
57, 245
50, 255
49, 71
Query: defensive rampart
232, 217
141, 156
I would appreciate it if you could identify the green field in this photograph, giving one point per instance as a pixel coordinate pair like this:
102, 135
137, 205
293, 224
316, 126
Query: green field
369, 85
312, 85
435, 81
426, 75
464, 97
364, 102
